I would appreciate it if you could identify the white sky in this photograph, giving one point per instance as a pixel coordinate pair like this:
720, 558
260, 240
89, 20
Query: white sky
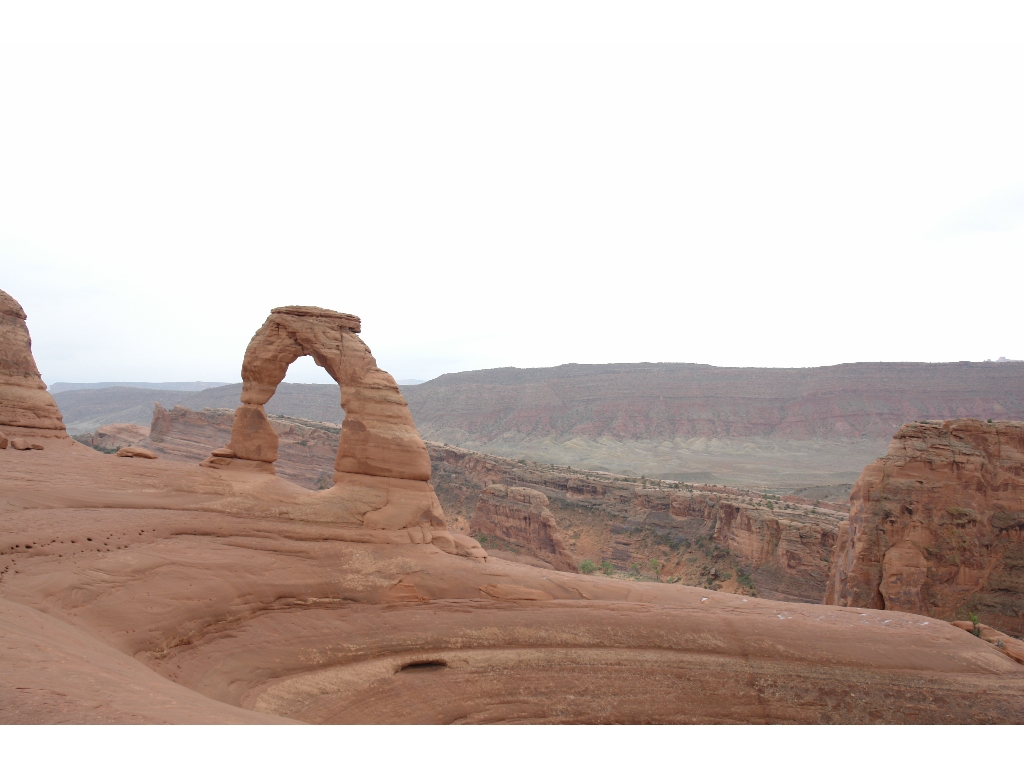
521, 184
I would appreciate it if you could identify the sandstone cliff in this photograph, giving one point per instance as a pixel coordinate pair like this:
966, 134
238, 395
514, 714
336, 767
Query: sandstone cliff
937, 526
778, 547
520, 517
26, 408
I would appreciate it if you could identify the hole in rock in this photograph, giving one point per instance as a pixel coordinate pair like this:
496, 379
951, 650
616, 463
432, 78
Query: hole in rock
423, 666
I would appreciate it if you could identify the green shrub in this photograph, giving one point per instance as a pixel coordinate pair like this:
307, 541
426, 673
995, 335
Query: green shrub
607, 567
587, 566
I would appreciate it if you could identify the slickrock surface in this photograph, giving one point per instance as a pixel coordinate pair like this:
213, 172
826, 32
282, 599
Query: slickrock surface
129, 588
26, 408
937, 526
520, 517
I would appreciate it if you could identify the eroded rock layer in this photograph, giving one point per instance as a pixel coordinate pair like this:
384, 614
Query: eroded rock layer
25, 405
154, 591
937, 526
520, 517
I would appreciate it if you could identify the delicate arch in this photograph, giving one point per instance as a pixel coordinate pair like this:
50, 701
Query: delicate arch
378, 435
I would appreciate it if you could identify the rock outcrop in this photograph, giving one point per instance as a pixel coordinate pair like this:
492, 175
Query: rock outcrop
306, 449
520, 517
110, 437
26, 408
711, 536
937, 526
382, 470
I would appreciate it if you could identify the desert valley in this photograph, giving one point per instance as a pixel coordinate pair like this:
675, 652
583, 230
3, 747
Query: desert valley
642, 543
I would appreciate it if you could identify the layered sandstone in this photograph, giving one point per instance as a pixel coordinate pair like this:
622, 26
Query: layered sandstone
382, 470
26, 408
937, 526
695, 533
306, 449
110, 437
155, 592
520, 518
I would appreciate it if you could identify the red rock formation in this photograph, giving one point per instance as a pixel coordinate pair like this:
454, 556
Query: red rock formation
937, 526
109, 437
520, 517
306, 449
161, 592
382, 468
791, 550
26, 408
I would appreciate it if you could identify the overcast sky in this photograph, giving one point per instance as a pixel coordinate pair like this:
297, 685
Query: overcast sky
523, 184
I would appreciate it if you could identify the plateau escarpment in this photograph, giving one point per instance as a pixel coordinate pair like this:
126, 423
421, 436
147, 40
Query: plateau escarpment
937, 526
700, 423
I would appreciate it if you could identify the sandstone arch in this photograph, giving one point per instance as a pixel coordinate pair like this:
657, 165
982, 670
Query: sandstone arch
378, 436
382, 469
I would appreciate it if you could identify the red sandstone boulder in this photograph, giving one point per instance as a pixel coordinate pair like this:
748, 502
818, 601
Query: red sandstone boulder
3, 441
134, 452
21, 444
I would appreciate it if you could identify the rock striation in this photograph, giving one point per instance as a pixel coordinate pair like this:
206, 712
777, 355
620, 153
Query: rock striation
26, 408
937, 526
382, 469
520, 517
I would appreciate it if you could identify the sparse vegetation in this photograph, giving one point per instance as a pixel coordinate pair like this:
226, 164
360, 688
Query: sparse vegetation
587, 566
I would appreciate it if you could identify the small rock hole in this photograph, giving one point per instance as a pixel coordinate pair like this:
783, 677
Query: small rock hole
423, 666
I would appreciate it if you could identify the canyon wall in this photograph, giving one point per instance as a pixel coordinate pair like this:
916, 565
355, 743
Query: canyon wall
769, 427
519, 518
778, 547
937, 526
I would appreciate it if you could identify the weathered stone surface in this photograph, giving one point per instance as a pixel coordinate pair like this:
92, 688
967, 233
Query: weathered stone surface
109, 437
783, 545
252, 437
520, 517
937, 525
3, 441
163, 592
24, 401
23, 444
382, 467
134, 452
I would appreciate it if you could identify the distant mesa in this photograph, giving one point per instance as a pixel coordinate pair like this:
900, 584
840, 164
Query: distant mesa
173, 386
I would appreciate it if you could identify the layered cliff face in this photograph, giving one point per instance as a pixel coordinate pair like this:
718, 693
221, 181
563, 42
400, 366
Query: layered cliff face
716, 537
698, 423
26, 408
306, 450
520, 517
937, 526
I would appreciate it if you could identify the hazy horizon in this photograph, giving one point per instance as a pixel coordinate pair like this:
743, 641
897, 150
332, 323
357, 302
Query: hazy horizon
783, 185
